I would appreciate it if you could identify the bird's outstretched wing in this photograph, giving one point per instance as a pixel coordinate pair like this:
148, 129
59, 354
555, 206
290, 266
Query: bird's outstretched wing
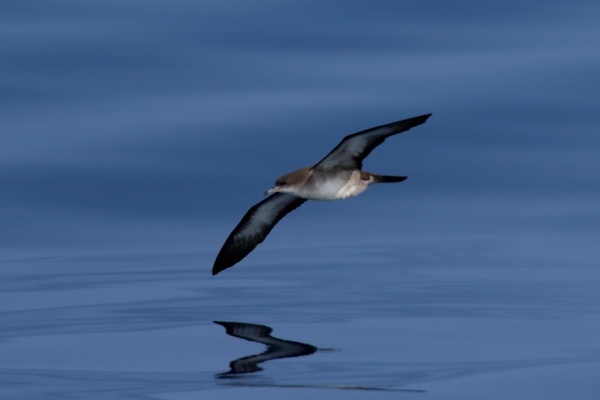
254, 228
353, 149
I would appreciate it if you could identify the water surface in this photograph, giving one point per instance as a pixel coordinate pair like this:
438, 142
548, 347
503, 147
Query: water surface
434, 319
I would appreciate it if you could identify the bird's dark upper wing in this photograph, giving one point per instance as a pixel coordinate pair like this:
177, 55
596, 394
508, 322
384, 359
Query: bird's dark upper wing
254, 228
353, 149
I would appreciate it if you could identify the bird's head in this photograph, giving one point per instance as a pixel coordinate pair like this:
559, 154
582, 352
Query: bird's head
291, 182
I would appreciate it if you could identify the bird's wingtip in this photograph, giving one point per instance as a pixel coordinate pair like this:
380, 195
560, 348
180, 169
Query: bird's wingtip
414, 121
406, 124
220, 266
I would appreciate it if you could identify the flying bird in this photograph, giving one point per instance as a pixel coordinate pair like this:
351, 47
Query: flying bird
337, 176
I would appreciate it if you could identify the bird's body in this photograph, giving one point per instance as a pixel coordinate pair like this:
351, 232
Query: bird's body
331, 185
313, 185
337, 176
353, 186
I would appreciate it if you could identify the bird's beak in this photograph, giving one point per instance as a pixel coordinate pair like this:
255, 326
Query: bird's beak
274, 190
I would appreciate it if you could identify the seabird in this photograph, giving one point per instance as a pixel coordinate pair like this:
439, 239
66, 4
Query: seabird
337, 176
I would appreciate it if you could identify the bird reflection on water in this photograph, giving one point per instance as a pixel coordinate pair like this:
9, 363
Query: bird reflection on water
276, 348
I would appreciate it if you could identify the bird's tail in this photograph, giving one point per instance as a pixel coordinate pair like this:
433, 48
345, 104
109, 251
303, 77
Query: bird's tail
388, 179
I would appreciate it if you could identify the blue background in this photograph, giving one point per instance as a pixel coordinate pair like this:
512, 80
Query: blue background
135, 130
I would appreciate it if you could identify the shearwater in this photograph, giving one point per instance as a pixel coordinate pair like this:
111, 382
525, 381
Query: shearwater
337, 176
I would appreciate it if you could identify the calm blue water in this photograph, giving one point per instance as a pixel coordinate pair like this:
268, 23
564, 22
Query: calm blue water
135, 136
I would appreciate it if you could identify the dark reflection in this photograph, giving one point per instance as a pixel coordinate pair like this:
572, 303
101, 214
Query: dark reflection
276, 348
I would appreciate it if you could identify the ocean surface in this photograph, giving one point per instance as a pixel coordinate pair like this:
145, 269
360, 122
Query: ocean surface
135, 135
428, 319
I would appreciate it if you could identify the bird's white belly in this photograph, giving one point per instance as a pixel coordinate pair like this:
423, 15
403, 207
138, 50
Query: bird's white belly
340, 189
